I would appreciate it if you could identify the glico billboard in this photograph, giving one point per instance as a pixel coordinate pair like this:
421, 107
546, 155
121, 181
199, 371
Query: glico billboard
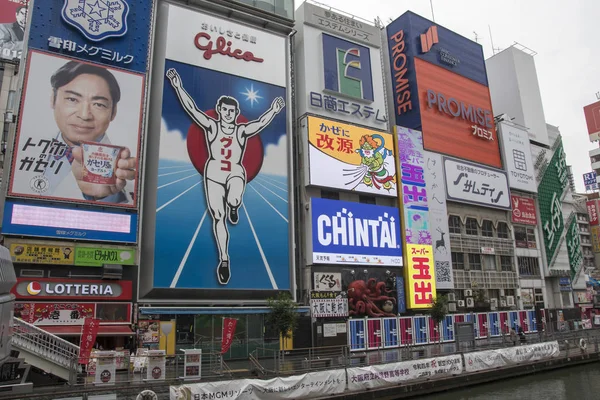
218, 194
440, 87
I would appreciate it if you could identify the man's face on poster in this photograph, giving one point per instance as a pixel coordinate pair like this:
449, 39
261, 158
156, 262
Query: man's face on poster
22, 17
228, 113
83, 108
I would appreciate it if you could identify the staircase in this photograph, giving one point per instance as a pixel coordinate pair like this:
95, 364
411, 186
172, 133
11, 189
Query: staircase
44, 350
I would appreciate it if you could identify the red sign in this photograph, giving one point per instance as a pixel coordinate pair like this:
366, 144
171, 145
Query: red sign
523, 210
71, 289
592, 119
54, 313
228, 332
592, 209
88, 338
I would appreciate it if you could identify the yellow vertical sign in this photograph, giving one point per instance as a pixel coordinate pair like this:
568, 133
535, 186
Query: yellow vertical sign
420, 277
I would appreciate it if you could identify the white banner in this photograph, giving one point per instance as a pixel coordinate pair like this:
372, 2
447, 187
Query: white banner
517, 157
377, 376
106, 365
327, 281
490, 359
472, 183
438, 220
313, 384
156, 365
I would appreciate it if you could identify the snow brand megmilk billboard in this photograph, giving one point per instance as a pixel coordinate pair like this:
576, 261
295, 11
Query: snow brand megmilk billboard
222, 170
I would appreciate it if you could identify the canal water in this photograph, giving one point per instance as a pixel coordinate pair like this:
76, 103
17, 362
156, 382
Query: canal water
575, 383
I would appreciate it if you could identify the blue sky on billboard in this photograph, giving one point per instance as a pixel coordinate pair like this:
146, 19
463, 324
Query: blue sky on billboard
532, 23
258, 243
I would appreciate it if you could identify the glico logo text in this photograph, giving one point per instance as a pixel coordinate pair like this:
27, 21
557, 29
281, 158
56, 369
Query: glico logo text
458, 109
347, 68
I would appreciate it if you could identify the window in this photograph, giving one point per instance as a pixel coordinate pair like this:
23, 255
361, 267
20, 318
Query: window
539, 297
566, 299
458, 260
506, 263
502, 230
489, 262
525, 237
454, 224
475, 262
487, 228
367, 199
328, 194
471, 226
528, 266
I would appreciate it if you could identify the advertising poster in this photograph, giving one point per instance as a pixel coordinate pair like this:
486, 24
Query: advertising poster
328, 304
41, 254
69, 289
115, 33
438, 220
156, 369
327, 281
148, 332
13, 20
574, 248
523, 210
550, 191
88, 339
223, 166
595, 233
83, 144
55, 313
420, 276
517, 157
371, 292
349, 157
592, 209
98, 256
192, 364
355, 233
471, 183
341, 73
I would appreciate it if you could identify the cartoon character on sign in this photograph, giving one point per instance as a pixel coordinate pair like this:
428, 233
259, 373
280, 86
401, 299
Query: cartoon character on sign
105, 376
224, 175
372, 167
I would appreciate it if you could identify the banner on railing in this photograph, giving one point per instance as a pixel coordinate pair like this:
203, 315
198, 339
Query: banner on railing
88, 339
490, 359
192, 364
105, 368
377, 376
312, 384
229, 325
156, 365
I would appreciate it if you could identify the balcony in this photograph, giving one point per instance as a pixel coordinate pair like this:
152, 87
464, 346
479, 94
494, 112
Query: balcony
473, 244
485, 280
283, 8
585, 232
594, 152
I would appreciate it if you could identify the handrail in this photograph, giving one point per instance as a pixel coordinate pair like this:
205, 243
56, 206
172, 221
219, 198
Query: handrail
35, 340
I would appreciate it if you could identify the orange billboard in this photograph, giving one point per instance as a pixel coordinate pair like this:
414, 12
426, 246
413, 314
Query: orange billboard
456, 115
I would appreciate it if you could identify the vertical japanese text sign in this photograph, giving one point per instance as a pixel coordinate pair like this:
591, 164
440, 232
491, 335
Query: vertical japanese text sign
420, 270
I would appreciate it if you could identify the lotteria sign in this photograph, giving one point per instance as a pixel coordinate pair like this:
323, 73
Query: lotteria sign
66, 288
355, 233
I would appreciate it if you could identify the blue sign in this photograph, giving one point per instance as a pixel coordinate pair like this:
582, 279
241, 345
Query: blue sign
111, 32
231, 208
390, 332
31, 219
410, 36
356, 335
347, 68
355, 233
589, 178
401, 295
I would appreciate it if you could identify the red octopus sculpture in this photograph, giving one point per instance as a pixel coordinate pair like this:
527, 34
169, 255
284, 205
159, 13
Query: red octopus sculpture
362, 297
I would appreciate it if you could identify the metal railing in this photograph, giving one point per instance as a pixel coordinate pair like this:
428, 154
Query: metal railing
30, 338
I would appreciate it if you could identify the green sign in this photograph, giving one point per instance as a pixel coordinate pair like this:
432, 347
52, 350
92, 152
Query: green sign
550, 192
574, 247
98, 256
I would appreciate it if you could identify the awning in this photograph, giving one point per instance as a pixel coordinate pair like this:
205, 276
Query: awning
75, 330
212, 310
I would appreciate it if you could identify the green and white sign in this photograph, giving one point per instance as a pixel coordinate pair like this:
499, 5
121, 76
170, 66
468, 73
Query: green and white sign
574, 247
550, 191
98, 256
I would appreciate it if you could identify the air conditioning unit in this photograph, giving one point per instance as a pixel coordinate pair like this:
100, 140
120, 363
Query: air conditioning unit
470, 302
452, 307
494, 304
468, 292
502, 302
461, 303
451, 297
510, 301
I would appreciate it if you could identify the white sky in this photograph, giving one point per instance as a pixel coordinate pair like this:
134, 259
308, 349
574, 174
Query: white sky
563, 33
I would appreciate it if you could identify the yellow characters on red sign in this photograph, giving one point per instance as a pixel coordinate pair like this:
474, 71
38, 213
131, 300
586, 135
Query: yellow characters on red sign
420, 276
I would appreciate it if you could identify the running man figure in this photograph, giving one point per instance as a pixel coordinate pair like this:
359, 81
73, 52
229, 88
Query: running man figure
224, 174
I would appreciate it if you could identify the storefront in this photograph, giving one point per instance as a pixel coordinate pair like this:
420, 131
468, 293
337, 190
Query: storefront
60, 307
